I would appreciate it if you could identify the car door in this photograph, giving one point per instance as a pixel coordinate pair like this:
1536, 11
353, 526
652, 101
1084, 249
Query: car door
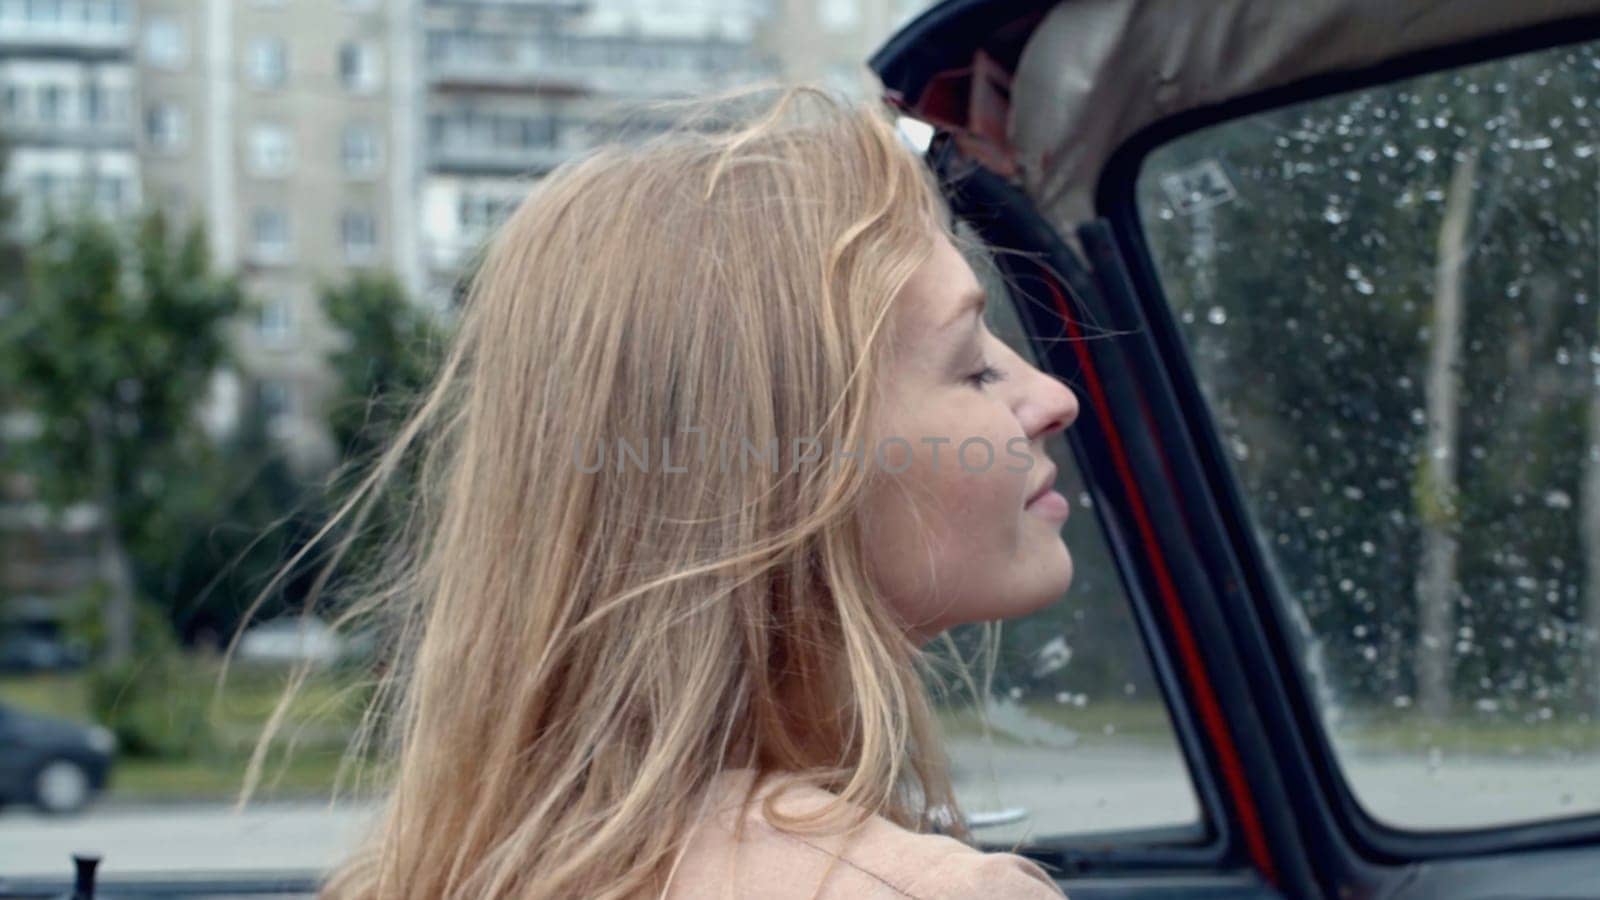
1325, 277
16, 758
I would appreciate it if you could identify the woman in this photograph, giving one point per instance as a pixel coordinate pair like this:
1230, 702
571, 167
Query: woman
702, 475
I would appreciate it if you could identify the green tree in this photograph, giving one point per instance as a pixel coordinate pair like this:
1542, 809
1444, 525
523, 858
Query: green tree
12, 249
392, 348
1320, 297
113, 342
261, 513
13, 259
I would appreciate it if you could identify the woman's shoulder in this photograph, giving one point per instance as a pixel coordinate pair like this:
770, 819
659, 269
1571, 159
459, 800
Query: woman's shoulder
880, 860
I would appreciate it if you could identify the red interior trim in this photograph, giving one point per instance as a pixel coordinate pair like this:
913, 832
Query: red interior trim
1188, 650
972, 104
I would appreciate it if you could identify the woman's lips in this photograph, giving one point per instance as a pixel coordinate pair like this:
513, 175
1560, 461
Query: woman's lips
1051, 505
1047, 502
1046, 483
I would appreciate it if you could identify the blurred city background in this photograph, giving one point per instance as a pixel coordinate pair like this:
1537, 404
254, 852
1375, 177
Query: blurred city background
234, 233
227, 225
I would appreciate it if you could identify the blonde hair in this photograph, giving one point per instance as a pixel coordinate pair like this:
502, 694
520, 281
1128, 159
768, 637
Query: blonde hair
574, 655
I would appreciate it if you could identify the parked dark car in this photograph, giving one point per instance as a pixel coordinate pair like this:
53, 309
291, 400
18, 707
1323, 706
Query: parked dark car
37, 653
58, 766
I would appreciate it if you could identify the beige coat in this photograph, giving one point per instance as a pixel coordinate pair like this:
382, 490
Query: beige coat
882, 861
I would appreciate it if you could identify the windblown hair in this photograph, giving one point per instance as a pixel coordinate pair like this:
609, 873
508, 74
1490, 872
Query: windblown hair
577, 648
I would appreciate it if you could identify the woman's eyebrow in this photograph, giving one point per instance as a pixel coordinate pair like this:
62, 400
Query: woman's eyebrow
975, 300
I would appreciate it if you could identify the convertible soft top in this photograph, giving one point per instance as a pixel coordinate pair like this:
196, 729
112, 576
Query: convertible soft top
1046, 93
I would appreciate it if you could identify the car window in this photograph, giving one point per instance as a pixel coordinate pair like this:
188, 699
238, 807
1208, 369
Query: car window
1081, 740
1390, 299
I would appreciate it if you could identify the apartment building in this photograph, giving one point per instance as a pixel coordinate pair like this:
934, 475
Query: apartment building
67, 110
388, 134
287, 126
314, 138
66, 106
317, 137
514, 87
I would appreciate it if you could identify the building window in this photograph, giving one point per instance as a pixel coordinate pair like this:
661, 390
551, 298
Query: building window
476, 133
164, 44
276, 323
269, 234
358, 150
93, 12
358, 67
52, 102
165, 127
359, 232
271, 150
48, 11
174, 204
480, 212
110, 195
94, 106
839, 15
44, 188
105, 105
269, 62
119, 103
36, 200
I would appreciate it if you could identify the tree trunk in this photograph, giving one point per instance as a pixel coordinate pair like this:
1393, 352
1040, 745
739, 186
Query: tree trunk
1589, 530
117, 614
116, 572
1440, 514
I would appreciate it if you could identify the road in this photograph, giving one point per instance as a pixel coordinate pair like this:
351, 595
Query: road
136, 840
1118, 786
1064, 789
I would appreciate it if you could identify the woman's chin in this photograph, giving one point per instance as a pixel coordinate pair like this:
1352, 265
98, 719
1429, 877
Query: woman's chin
1055, 576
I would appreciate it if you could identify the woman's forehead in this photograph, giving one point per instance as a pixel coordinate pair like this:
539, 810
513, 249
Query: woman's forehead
939, 293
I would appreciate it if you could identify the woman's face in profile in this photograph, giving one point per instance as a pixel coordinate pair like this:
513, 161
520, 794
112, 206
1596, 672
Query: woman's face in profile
963, 523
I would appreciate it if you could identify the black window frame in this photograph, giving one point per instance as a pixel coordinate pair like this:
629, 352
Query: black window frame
1336, 821
1045, 272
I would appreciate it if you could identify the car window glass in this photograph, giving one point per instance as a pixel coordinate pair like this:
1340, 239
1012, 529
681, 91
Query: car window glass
1081, 740
1391, 300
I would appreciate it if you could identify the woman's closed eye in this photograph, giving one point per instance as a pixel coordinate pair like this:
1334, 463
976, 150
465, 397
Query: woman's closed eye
985, 376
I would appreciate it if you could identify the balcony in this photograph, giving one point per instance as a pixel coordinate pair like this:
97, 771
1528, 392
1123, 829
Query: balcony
89, 29
77, 134
562, 63
530, 7
501, 142
467, 157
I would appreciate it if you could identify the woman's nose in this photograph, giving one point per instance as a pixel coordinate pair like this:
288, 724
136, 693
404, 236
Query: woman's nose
1053, 406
